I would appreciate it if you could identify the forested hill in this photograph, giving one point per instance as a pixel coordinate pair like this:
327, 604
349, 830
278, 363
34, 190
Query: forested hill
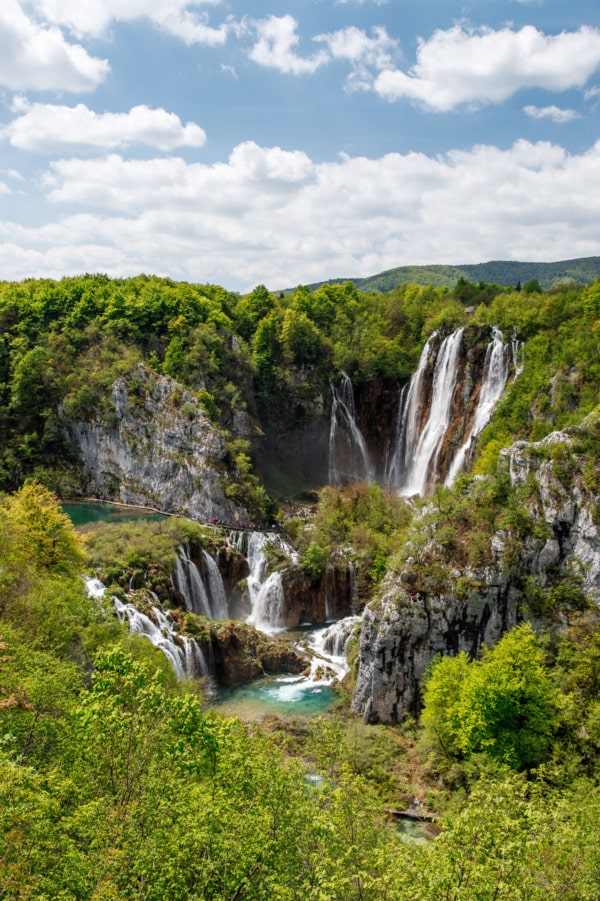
499, 272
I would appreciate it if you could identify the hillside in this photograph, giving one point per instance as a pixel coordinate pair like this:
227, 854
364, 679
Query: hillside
498, 272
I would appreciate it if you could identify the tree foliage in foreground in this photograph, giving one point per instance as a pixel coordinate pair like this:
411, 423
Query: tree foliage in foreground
116, 782
504, 705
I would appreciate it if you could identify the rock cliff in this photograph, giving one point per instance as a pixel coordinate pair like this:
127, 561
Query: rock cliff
155, 446
553, 567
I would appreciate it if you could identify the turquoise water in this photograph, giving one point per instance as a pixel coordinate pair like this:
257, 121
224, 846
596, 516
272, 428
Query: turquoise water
86, 512
415, 831
284, 696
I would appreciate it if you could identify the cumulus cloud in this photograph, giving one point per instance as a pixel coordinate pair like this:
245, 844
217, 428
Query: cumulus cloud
551, 112
259, 215
46, 128
364, 53
38, 57
276, 44
480, 66
93, 17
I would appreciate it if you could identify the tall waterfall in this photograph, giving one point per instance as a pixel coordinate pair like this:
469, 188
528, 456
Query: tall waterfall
204, 596
348, 455
432, 405
420, 442
495, 375
216, 589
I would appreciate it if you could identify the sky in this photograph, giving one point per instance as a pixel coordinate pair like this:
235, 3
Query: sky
283, 143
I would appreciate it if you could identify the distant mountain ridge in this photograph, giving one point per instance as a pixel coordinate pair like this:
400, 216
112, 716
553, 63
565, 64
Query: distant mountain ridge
499, 272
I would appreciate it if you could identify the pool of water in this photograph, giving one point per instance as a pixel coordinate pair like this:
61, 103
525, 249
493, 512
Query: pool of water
418, 831
284, 696
85, 512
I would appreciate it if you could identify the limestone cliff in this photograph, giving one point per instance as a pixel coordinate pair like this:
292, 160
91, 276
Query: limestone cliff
155, 446
536, 574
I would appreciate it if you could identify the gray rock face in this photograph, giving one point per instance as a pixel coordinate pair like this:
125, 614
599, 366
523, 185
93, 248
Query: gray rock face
157, 448
401, 634
400, 637
565, 504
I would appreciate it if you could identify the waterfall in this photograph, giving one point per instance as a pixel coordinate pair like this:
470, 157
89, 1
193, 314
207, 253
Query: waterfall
188, 582
216, 589
334, 639
269, 605
395, 461
518, 354
329, 590
183, 653
495, 375
422, 447
267, 598
348, 455
205, 597
329, 650
428, 411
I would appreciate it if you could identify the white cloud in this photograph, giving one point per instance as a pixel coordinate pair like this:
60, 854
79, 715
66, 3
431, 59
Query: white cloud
551, 112
364, 53
276, 47
91, 18
479, 66
230, 70
46, 128
37, 57
274, 216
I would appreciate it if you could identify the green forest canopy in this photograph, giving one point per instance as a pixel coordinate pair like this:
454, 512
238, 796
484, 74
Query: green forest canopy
63, 343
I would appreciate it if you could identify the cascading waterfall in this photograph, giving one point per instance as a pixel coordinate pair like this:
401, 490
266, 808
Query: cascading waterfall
518, 354
183, 653
335, 638
348, 455
204, 598
267, 597
216, 589
427, 411
268, 606
329, 650
422, 446
329, 590
495, 375
188, 582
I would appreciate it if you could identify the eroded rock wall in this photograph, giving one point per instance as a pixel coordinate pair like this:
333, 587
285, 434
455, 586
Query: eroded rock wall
155, 446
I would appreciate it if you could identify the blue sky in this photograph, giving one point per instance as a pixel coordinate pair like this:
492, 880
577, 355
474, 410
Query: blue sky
287, 142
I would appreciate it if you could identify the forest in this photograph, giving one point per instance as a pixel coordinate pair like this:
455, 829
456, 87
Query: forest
120, 781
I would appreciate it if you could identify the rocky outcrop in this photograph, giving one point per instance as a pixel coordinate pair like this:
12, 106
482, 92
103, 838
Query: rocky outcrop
404, 629
330, 596
400, 637
155, 446
239, 653
567, 499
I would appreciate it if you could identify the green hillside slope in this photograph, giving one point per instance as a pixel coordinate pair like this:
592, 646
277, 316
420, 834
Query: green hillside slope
499, 272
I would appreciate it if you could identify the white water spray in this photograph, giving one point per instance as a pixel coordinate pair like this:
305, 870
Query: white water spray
348, 455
